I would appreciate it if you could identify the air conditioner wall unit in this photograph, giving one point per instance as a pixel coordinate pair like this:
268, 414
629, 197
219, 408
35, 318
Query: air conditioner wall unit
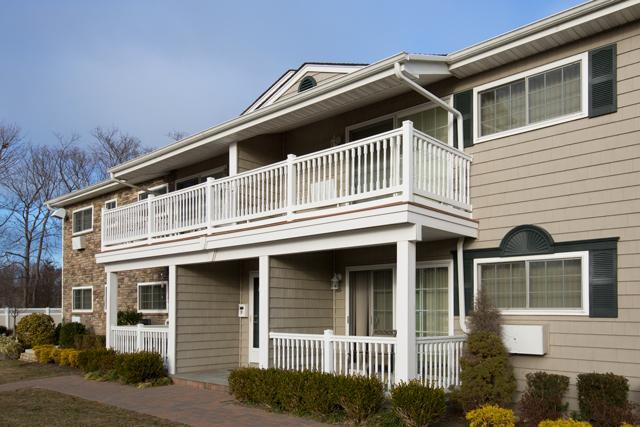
78, 243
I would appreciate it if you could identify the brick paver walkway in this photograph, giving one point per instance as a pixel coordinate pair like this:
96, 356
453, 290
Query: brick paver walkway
177, 403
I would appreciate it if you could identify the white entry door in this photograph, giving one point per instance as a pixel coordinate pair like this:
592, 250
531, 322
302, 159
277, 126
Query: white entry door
254, 318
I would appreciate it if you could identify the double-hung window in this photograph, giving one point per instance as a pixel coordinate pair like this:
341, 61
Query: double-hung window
546, 284
543, 96
152, 297
82, 299
82, 220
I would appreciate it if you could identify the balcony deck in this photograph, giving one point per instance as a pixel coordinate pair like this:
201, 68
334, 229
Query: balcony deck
403, 163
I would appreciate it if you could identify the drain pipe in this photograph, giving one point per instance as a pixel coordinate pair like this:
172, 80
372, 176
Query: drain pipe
407, 78
462, 318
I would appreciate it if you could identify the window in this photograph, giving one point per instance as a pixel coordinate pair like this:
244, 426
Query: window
540, 97
82, 220
433, 121
367, 130
111, 204
382, 308
152, 297
307, 83
432, 301
190, 181
82, 300
553, 284
156, 191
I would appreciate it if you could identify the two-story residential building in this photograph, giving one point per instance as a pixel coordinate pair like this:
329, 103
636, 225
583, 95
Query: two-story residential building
346, 218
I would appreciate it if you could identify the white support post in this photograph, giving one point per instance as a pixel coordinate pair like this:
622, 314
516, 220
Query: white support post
327, 361
173, 310
6, 318
47, 311
263, 314
233, 159
407, 160
291, 184
405, 311
112, 305
209, 202
139, 346
149, 216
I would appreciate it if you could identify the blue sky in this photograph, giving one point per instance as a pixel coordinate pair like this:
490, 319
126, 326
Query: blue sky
150, 67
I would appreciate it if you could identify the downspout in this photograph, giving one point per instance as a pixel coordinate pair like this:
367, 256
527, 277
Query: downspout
462, 318
407, 78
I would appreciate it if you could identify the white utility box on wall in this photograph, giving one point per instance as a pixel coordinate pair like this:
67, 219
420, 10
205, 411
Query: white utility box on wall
525, 339
78, 242
242, 310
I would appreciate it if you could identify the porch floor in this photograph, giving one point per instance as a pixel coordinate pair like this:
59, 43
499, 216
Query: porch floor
207, 380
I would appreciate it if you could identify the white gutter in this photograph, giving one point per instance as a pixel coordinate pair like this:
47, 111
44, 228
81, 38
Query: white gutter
462, 317
407, 78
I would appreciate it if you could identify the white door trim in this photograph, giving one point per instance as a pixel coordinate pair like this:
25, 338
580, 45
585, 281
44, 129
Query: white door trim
253, 352
449, 264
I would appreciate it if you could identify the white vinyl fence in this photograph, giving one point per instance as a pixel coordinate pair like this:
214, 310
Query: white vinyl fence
6, 317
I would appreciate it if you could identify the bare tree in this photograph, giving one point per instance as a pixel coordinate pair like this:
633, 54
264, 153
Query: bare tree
10, 138
75, 166
114, 147
177, 135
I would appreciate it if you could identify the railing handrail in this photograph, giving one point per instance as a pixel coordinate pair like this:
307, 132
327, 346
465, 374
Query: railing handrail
193, 188
365, 339
290, 335
448, 338
442, 145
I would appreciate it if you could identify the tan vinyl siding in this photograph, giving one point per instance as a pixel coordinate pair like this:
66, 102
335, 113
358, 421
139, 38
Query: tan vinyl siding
207, 328
320, 78
578, 180
260, 151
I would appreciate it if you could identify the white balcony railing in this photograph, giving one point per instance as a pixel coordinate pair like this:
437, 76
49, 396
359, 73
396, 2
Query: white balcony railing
439, 360
367, 169
131, 339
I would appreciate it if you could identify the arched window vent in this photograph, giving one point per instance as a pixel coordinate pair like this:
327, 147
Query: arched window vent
306, 84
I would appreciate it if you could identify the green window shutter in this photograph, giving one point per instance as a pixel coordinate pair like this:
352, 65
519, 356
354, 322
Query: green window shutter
468, 285
603, 283
463, 102
602, 81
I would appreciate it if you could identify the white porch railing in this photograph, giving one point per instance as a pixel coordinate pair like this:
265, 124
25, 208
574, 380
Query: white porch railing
439, 360
130, 339
337, 354
363, 170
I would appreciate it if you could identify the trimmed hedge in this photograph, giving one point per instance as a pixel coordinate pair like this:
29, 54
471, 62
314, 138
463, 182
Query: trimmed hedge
144, 366
68, 333
60, 356
418, 405
100, 360
563, 423
308, 392
542, 400
491, 416
10, 347
35, 329
89, 341
603, 399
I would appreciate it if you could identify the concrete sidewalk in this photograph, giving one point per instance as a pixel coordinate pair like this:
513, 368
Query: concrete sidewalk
176, 403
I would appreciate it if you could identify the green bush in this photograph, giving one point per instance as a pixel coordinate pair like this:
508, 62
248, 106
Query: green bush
321, 394
3, 330
542, 400
486, 377
44, 353
485, 317
360, 396
68, 357
491, 416
129, 317
418, 405
97, 360
35, 329
134, 368
89, 341
10, 347
68, 333
603, 399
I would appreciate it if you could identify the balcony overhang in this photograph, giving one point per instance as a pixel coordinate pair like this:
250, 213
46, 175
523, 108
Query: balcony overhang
359, 88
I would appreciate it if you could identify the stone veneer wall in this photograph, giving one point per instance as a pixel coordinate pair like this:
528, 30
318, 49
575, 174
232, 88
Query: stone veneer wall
81, 269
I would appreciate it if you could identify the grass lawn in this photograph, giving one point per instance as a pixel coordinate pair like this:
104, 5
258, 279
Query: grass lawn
15, 370
32, 407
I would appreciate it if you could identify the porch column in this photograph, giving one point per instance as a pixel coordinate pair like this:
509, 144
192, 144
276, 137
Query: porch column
405, 310
173, 302
263, 314
233, 159
112, 305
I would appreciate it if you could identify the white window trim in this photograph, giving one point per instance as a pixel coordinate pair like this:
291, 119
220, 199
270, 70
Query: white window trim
109, 201
73, 221
347, 306
166, 289
583, 58
154, 188
104, 297
77, 288
201, 174
449, 264
583, 255
405, 112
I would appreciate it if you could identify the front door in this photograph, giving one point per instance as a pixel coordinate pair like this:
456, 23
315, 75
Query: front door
434, 299
254, 318
371, 302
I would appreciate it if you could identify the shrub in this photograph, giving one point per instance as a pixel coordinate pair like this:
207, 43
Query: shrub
35, 329
563, 423
97, 360
89, 341
241, 383
320, 394
603, 399
486, 377
418, 405
543, 397
485, 317
68, 333
3, 330
360, 396
10, 347
56, 334
69, 357
44, 353
133, 368
129, 317
491, 416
